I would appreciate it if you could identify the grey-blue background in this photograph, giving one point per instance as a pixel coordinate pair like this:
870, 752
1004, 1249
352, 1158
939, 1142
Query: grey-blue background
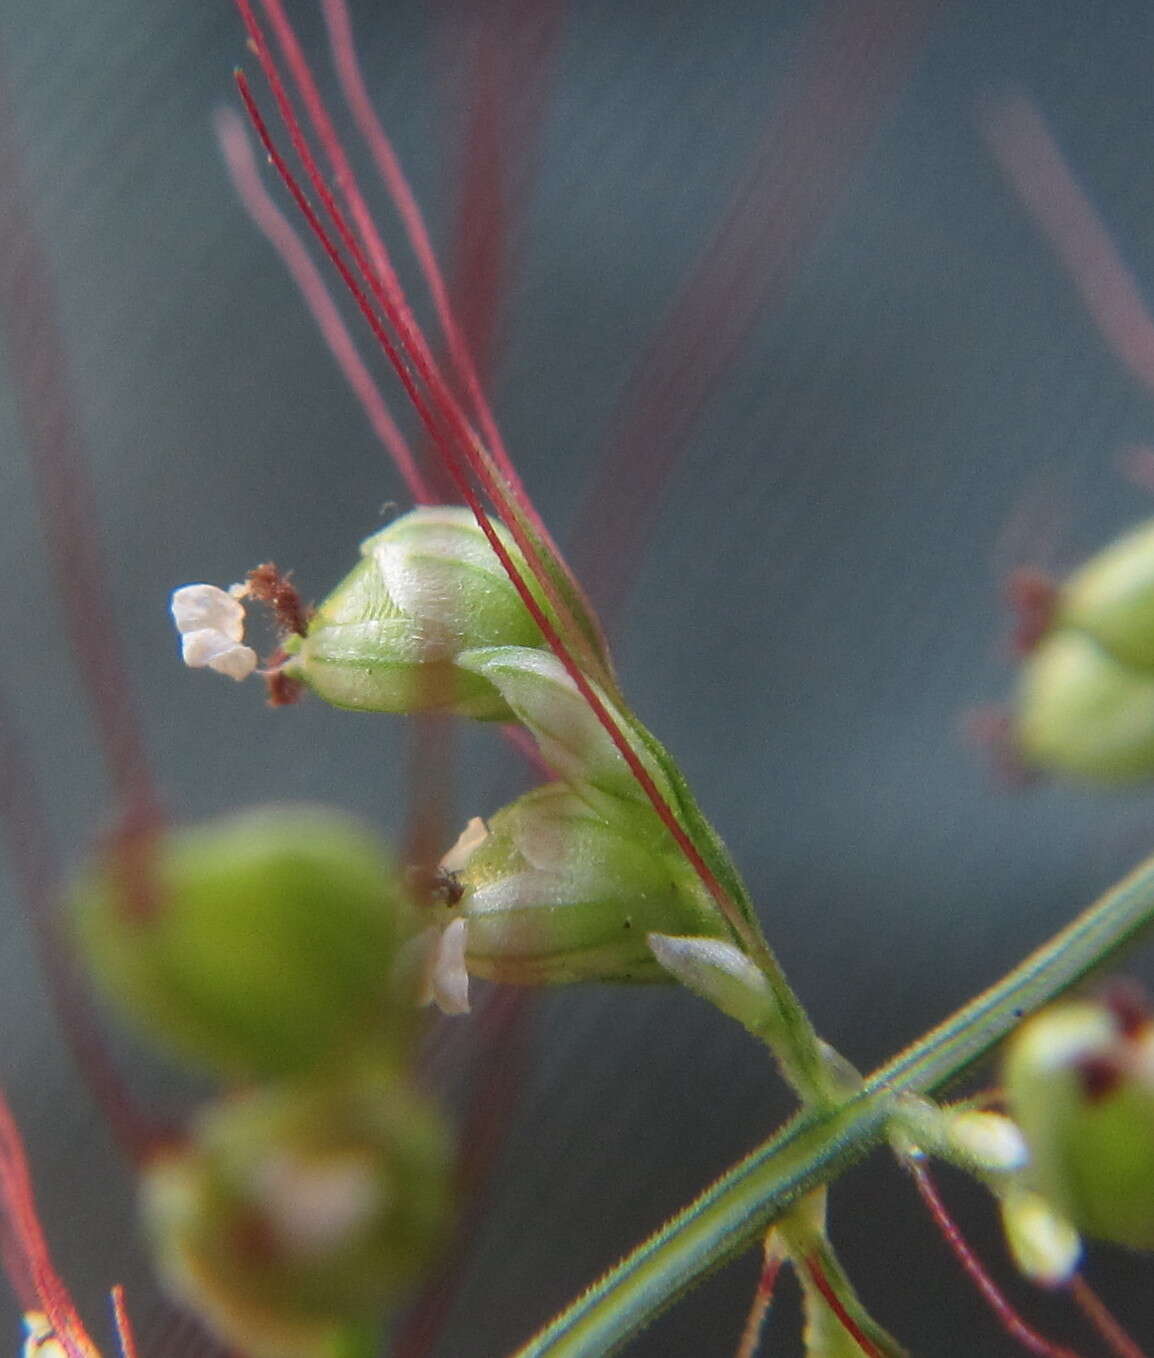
818, 611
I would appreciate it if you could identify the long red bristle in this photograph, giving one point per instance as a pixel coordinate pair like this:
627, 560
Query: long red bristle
124, 1330
1038, 172
463, 455
29, 1245
400, 193
357, 232
496, 1077
754, 1326
452, 435
312, 287
1103, 1320
848, 73
66, 496
1009, 1319
32, 855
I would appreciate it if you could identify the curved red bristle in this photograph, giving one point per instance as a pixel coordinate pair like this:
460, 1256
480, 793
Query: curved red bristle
66, 496
1043, 181
463, 455
754, 1326
123, 1324
1009, 1319
1103, 1320
26, 1250
460, 352
496, 1078
287, 243
852, 65
24, 821
453, 437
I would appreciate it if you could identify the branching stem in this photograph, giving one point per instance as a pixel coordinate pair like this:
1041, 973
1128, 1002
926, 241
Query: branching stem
818, 1145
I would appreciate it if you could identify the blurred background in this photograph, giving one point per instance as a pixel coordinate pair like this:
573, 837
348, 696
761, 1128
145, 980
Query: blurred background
921, 404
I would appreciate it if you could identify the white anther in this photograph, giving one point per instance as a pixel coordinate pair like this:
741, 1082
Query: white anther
211, 625
470, 839
199, 607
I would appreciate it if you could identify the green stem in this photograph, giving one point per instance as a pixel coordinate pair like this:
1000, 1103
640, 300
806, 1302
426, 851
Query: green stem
818, 1145
795, 1043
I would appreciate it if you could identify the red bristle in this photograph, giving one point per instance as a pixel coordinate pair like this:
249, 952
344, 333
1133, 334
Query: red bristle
357, 232
496, 1078
25, 823
67, 507
429, 791
762, 1300
66, 497
1041, 178
466, 455
452, 435
336, 258
833, 1301
1010, 1321
313, 289
1103, 1320
852, 65
1032, 596
29, 1246
389, 168
123, 1324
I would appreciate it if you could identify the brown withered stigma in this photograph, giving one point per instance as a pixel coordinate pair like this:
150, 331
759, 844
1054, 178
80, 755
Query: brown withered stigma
270, 586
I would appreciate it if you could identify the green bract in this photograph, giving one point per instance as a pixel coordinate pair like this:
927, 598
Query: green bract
559, 892
255, 944
426, 588
1081, 712
544, 698
1082, 1091
723, 976
298, 1210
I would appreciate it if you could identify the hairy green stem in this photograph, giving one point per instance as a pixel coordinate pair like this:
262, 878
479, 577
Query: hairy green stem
795, 1044
818, 1145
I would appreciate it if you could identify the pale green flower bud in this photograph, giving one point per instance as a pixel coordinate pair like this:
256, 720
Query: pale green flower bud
1080, 1081
558, 892
989, 1142
1045, 1247
255, 944
1112, 599
988, 1145
427, 587
297, 1210
722, 975
1081, 713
